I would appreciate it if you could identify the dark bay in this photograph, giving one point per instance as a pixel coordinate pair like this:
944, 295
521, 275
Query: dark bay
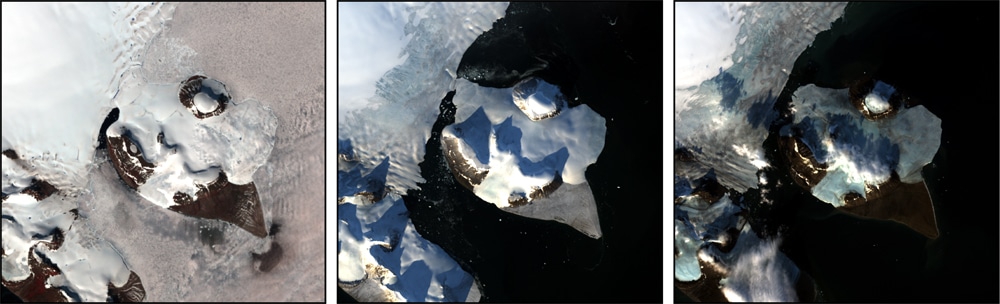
609, 56
944, 56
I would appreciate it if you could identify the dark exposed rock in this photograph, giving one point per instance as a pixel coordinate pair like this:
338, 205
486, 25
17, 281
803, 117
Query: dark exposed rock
275, 228
466, 174
517, 200
237, 204
102, 135
132, 167
268, 260
365, 198
684, 155
709, 190
530, 86
544, 191
57, 239
132, 291
469, 176
201, 84
10, 154
40, 189
806, 170
909, 204
34, 289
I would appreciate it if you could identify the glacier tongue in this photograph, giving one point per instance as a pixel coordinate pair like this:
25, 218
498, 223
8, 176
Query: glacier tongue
395, 119
402, 59
724, 107
60, 87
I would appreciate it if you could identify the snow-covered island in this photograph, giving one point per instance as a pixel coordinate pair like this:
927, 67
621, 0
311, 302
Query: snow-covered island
196, 163
521, 149
186, 145
859, 153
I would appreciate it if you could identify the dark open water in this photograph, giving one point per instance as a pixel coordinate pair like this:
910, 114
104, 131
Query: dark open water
946, 56
943, 54
610, 57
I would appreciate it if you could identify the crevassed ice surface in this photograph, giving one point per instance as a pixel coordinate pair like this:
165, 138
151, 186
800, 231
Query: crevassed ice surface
725, 98
56, 93
402, 61
396, 120
733, 61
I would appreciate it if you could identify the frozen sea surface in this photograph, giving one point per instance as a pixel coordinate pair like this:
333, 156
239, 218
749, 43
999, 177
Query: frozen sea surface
179, 258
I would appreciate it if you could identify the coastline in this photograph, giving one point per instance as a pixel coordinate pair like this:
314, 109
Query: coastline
273, 53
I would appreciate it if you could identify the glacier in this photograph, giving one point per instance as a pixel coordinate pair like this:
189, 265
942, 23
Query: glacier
390, 103
742, 112
59, 90
722, 111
